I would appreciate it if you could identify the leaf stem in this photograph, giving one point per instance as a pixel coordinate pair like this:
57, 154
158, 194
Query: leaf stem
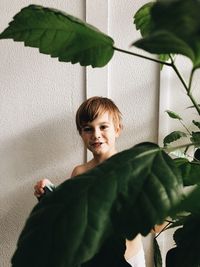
178, 74
187, 88
145, 57
194, 102
163, 229
191, 78
185, 127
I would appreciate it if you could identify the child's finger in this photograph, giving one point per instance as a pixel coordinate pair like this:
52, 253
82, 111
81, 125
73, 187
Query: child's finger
39, 187
42, 183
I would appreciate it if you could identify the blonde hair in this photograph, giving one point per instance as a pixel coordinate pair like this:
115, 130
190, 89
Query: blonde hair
90, 109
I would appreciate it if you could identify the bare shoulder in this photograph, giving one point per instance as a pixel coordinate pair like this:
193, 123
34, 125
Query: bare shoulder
79, 170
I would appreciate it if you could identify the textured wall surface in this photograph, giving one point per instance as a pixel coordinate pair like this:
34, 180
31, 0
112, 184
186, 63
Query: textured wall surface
39, 97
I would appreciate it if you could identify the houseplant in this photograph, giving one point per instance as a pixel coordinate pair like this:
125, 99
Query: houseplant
59, 35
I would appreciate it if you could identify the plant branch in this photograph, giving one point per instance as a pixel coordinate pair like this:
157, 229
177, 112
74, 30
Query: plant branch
191, 78
194, 102
163, 229
178, 74
141, 56
185, 127
188, 89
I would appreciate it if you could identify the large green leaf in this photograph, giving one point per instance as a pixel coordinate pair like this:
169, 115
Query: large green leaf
127, 194
164, 42
144, 23
143, 20
60, 35
176, 22
110, 254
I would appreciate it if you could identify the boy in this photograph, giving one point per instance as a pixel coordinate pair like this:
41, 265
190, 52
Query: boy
98, 122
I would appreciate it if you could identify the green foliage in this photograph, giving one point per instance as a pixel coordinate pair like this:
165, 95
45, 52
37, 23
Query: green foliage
125, 195
173, 115
174, 136
143, 20
92, 214
187, 237
157, 254
191, 203
163, 42
197, 123
196, 138
174, 29
197, 155
186, 252
189, 171
60, 35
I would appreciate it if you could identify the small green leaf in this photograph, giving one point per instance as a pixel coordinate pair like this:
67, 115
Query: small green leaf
191, 202
157, 254
189, 171
164, 57
173, 115
173, 136
196, 138
189, 205
60, 35
196, 123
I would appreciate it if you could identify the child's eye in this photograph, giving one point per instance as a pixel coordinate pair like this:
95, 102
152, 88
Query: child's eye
87, 129
103, 127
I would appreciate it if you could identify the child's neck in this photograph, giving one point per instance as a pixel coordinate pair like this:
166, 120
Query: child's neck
97, 159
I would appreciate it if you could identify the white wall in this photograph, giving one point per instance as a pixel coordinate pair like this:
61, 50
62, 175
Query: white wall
39, 98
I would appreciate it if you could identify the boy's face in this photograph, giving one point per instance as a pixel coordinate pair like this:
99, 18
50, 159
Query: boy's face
99, 135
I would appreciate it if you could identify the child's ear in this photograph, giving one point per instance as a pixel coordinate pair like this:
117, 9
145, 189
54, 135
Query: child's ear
118, 130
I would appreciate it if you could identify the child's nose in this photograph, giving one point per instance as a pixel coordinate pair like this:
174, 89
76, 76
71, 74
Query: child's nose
97, 133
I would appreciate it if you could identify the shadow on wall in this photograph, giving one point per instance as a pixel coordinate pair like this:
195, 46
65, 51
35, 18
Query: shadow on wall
39, 148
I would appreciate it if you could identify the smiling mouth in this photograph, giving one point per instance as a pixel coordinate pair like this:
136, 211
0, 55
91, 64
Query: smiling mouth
97, 144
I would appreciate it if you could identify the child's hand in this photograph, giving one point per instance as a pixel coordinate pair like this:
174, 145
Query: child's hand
39, 187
